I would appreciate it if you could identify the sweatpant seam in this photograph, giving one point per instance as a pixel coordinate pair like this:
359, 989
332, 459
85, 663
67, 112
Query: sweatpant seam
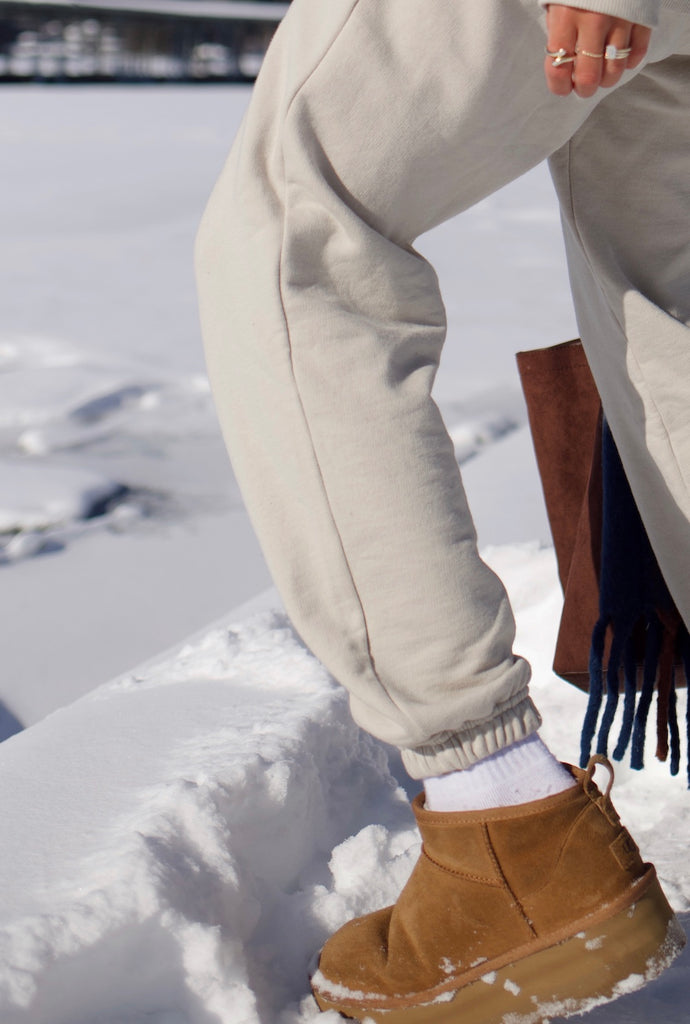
283, 304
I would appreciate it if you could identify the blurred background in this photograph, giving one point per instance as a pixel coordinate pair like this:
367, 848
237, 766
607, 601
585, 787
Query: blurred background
135, 40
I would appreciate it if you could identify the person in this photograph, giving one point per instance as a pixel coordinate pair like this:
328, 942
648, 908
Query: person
370, 123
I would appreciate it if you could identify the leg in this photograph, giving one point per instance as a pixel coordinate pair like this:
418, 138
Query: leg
363, 133
630, 273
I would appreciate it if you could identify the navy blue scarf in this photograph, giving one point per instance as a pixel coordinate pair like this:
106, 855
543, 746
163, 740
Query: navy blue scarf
639, 640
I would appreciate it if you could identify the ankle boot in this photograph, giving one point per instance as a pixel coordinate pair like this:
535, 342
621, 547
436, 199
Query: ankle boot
520, 913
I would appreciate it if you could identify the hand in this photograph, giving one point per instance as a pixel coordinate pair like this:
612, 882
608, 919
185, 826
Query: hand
571, 27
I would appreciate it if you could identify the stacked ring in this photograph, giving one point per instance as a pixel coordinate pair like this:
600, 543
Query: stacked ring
561, 56
613, 53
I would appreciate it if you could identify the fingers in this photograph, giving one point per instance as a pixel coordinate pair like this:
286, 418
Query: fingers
589, 51
639, 44
588, 69
562, 35
590, 74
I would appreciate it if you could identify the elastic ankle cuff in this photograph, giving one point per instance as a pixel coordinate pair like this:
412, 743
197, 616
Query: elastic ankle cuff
451, 752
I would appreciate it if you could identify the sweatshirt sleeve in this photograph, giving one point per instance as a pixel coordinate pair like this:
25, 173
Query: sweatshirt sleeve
640, 12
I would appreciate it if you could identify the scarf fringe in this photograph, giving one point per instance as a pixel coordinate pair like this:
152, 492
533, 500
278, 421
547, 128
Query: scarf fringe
666, 650
685, 655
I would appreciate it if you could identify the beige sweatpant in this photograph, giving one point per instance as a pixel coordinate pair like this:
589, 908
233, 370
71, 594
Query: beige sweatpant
372, 121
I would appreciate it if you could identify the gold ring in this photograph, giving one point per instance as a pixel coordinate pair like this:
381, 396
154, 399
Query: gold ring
586, 53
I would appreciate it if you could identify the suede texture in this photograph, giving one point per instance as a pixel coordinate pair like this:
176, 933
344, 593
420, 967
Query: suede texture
489, 887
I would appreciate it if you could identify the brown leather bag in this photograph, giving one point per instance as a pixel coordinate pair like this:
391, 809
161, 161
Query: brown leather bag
565, 420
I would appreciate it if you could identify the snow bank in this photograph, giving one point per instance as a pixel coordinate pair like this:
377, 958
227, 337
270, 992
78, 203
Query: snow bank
178, 843
170, 835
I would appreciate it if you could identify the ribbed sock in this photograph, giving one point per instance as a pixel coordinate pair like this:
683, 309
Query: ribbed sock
524, 771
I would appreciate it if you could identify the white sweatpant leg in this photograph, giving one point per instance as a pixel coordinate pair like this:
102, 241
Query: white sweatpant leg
371, 122
630, 274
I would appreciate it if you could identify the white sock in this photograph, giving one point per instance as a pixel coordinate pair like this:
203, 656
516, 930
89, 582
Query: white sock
524, 771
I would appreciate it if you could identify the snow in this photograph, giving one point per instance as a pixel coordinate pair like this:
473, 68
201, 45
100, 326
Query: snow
179, 840
102, 376
35, 504
188, 835
185, 858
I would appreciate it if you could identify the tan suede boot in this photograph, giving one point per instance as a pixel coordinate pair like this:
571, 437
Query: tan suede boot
515, 915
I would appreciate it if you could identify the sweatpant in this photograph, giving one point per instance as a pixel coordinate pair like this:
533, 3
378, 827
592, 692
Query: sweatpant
372, 122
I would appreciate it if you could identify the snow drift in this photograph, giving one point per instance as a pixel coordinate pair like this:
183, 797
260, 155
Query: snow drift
183, 839
169, 859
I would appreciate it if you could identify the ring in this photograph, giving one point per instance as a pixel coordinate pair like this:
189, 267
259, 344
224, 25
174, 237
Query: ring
613, 53
586, 53
559, 57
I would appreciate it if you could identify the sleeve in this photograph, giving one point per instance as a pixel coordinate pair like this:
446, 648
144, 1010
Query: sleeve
640, 12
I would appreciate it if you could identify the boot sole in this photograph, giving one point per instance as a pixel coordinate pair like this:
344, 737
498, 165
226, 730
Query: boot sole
597, 965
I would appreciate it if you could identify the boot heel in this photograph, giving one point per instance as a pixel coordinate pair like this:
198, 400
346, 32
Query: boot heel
599, 964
